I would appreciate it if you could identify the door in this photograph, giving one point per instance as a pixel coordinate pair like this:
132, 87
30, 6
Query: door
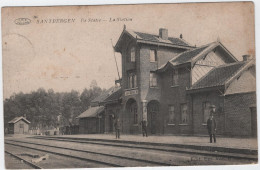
152, 117
153, 121
21, 129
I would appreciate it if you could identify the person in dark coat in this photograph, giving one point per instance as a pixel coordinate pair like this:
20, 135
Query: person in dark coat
117, 128
144, 127
212, 125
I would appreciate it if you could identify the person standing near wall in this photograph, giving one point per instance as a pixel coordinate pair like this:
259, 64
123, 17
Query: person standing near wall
144, 127
117, 128
211, 124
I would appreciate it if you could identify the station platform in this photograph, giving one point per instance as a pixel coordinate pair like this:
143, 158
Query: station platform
223, 144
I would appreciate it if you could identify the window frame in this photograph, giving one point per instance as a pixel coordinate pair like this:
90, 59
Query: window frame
131, 80
153, 80
132, 54
155, 55
187, 114
175, 80
171, 112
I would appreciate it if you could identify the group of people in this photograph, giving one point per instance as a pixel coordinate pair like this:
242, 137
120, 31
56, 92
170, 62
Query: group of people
211, 126
117, 126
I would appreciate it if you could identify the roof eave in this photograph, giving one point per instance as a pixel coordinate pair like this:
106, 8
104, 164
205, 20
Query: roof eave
230, 80
235, 59
205, 89
117, 46
163, 44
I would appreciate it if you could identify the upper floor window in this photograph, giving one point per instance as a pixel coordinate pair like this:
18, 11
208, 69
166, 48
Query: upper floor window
153, 80
184, 113
153, 55
171, 114
175, 77
206, 111
132, 80
132, 54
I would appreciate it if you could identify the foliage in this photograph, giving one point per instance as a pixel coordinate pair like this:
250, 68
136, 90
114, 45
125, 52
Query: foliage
48, 108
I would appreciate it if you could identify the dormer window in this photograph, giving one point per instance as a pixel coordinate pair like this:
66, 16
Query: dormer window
153, 56
132, 54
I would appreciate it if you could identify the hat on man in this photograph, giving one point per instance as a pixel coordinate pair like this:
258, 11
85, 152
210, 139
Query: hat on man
213, 106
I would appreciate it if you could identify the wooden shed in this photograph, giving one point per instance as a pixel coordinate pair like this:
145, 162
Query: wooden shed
92, 120
19, 125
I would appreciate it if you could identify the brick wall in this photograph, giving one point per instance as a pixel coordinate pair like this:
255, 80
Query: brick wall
214, 97
238, 114
175, 95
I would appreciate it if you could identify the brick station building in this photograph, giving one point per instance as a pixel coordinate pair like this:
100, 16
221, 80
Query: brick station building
172, 84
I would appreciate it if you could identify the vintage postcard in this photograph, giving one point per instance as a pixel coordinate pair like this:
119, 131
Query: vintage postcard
143, 85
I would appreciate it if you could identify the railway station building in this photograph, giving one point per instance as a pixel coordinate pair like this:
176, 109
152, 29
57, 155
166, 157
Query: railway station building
172, 85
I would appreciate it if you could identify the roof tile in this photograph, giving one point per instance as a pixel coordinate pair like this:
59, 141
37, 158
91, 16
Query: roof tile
219, 75
92, 112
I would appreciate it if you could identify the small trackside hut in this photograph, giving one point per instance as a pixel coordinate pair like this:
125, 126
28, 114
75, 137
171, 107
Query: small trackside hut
19, 125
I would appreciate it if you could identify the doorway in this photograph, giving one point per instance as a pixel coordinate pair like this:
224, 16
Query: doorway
152, 117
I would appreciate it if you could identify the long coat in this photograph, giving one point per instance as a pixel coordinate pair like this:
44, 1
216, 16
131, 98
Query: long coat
117, 124
212, 126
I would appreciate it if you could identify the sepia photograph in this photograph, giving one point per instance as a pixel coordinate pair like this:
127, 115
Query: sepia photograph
130, 85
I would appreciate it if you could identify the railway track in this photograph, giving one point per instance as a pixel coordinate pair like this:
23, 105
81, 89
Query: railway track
250, 157
111, 160
22, 160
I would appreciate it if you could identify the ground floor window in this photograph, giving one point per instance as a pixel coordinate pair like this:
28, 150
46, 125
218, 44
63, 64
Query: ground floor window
171, 115
206, 111
184, 114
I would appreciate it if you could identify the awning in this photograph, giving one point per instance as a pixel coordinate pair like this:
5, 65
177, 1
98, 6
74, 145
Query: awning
91, 112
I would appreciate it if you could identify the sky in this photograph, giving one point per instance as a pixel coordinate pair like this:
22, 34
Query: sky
66, 47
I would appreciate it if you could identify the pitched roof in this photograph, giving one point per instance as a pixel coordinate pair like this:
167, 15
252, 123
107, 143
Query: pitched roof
192, 55
219, 75
153, 39
92, 112
115, 96
156, 38
187, 55
106, 94
16, 119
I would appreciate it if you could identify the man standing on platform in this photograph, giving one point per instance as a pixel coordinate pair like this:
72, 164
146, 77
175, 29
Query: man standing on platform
117, 128
144, 127
211, 124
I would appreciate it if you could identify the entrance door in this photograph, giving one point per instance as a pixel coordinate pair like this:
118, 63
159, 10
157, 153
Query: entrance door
153, 121
21, 129
152, 117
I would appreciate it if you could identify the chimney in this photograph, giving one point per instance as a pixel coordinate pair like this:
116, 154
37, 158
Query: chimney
247, 57
163, 33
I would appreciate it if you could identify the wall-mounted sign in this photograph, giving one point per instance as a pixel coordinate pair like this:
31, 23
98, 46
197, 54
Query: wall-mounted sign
131, 92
